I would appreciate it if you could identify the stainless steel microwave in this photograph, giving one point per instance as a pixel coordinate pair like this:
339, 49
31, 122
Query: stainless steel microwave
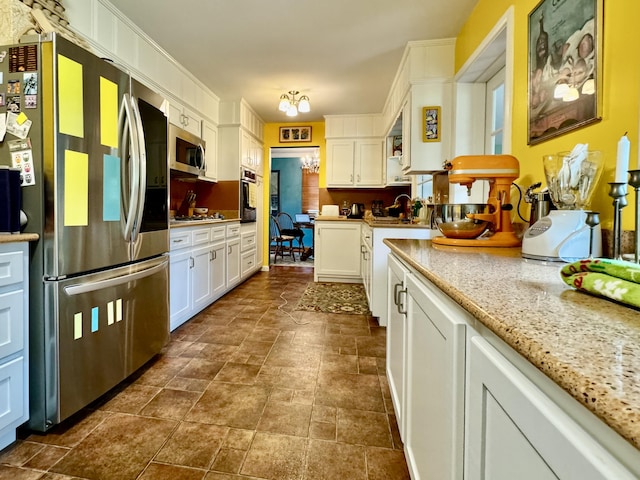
186, 151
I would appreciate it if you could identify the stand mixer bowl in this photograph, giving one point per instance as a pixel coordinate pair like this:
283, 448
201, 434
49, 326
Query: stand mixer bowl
572, 179
451, 219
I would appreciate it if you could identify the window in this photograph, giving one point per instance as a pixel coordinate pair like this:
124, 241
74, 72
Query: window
494, 132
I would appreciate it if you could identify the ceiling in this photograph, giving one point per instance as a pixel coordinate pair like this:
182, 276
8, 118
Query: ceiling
343, 54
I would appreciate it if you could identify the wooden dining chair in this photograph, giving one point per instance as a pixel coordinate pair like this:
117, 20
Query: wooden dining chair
280, 241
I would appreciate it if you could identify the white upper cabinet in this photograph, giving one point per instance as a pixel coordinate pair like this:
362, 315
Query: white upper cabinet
185, 119
355, 150
210, 137
424, 78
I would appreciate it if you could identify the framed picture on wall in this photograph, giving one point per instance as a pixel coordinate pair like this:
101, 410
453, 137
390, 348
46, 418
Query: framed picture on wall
565, 67
431, 124
295, 134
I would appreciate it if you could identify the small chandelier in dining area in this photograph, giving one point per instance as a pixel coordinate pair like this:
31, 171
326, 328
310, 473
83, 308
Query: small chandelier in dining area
292, 105
310, 163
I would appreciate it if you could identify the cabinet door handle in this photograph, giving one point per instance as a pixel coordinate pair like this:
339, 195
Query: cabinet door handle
351, 178
358, 178
230, 248
396, 297
192, 262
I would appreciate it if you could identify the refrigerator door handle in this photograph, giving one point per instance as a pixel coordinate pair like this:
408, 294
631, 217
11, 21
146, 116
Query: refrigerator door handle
112, 282
142, 161
129, 135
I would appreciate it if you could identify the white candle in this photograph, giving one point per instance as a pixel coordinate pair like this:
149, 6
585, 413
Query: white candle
622, 162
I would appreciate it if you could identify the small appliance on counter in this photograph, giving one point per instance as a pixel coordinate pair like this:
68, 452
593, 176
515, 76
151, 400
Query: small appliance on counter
356, 210
563, 235
501, 171
10, 200
377, 209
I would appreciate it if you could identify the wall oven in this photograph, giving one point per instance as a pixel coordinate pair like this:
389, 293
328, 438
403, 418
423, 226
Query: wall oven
186, 151
248, 195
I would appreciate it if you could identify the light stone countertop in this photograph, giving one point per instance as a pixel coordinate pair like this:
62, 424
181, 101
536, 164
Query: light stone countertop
371, 221
195, 223
587, 345
19, 237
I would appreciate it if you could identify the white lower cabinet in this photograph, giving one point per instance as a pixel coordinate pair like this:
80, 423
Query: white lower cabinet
204, 265
469, 406
14, 335
397, 339
516, 431
233, 255
336, 251
434, 427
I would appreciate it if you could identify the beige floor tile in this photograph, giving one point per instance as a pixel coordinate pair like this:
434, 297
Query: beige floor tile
233, 405
239, 439
228, 460
119, 448
193, 445
73, 430
287, 419
20, 452
275, 457
351, 391
330, 461
132, 399
158, 471
238, 373
383, 464
363, 428
47, 457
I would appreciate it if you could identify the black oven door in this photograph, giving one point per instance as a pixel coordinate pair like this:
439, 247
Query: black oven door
248, 193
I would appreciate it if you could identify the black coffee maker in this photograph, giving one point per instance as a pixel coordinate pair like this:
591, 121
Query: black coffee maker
10, 199
377, 210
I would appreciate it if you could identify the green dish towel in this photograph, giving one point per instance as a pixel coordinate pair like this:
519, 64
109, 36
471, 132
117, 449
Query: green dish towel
614, 279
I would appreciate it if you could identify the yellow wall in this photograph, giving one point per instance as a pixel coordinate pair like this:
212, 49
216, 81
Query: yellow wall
620, 92
271, 139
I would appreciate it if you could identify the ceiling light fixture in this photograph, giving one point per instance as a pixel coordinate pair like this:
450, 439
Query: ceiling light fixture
291, 105
311, 163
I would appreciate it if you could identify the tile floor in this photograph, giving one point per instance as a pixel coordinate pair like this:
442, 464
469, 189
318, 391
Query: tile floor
245, 390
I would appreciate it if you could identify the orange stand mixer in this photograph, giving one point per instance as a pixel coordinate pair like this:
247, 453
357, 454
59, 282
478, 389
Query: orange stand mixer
500, 171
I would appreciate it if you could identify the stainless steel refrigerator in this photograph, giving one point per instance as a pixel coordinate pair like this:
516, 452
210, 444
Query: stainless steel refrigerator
92, 145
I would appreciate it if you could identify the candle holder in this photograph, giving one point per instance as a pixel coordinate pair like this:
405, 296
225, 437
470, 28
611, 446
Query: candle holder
634, 181
617, 191
592, 221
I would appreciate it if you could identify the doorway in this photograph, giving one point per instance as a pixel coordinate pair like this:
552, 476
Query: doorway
294, 193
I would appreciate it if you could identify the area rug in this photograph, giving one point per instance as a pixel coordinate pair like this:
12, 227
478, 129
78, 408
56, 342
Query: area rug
349, 298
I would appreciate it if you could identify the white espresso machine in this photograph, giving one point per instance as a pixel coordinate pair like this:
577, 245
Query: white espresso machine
564, 234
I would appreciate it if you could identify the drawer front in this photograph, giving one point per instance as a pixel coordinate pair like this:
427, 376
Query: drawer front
248, 262
179, 239
11, 323
201, 236
11, 391
218, 233
248, 241
11, 270
233, 230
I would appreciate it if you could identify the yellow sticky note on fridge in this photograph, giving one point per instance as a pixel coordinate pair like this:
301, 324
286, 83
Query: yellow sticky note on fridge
21, 118
108, 113
76, 189
70, 97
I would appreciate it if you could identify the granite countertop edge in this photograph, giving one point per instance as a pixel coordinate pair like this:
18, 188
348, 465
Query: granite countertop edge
588, 346
196, 223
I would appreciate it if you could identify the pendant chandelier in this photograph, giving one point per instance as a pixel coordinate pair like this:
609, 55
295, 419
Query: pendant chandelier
292, 105
310, 163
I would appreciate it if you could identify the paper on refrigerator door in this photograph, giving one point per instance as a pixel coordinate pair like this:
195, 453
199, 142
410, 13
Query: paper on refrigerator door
108, 113
70, 103
76, 189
